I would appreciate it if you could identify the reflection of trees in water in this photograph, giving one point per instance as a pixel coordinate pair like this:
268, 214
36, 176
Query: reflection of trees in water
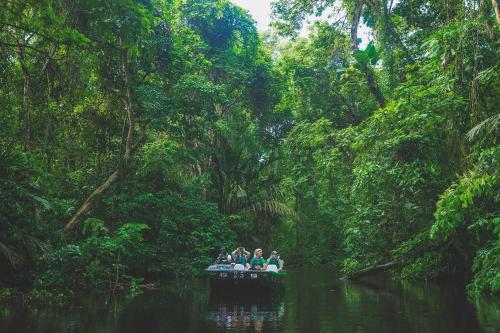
247, 313
488, 313
416, 307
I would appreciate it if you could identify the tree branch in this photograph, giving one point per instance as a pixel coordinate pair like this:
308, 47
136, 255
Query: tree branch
115, 176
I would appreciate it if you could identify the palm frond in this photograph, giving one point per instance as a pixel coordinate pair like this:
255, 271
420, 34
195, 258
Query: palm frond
274, 208
44, 202
35, 244
11, 255
12, 163
490, 124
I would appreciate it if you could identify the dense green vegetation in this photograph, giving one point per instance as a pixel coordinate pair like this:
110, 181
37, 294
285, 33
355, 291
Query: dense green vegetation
140, 136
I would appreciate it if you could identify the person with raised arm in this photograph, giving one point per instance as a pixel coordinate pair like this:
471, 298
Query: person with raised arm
240, 256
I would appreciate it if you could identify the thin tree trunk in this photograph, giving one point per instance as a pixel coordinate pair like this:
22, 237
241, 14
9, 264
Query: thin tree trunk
26, 135
48, 121
356, 16
117, 275
496, 7
372, 85
391, 40
26, 108
484, 11
368, 72
128, 106
298, 245
390, 6
115, 176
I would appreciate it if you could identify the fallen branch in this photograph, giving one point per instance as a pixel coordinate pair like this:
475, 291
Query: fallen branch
371, 270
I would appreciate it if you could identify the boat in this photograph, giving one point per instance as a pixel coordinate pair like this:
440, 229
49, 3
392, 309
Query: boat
230, 277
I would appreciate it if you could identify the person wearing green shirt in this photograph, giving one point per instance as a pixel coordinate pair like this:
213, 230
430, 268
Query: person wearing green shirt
274, 259
224, 257
240, 256
257, 261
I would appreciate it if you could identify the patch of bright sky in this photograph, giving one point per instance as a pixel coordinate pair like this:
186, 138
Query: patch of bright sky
261, 12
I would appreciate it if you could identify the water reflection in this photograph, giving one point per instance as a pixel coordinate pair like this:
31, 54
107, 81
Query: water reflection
313, 301
246, 312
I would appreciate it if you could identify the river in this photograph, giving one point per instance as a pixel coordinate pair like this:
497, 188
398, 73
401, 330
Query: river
312, 301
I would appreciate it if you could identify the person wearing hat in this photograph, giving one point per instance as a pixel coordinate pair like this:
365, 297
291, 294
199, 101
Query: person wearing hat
224, 257
257, 261
274, 259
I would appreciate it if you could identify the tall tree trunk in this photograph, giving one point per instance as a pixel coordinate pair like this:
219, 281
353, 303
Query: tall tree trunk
128, 107
484, 11
48, 122
366, 70
496, 7
356, 16
372, 85
26, 117
388, 36
298, 243
115, 176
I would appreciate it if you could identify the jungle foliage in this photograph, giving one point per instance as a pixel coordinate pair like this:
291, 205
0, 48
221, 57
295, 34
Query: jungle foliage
138, 137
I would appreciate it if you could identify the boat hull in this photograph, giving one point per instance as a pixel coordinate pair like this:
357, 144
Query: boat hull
225, 278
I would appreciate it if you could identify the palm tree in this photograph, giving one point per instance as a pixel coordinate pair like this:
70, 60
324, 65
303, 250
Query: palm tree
17, 243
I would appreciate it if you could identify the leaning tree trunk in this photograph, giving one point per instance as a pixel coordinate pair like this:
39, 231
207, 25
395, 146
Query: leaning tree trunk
119, 172
372, 85
367, 72
371, 270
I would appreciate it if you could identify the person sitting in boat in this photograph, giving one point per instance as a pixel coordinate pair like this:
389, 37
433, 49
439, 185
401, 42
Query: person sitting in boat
257, 261
224, 257
275, 259
240, 256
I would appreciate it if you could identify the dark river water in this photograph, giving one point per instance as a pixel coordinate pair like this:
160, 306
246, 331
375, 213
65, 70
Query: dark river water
312, 301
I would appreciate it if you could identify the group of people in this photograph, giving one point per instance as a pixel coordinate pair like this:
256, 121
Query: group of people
241, 256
